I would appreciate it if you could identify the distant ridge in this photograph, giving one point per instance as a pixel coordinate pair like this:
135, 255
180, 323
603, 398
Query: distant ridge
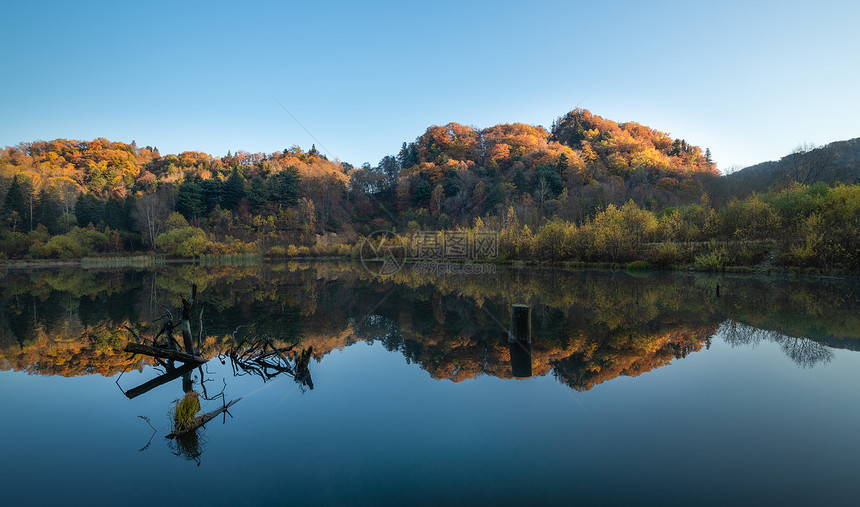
836, 162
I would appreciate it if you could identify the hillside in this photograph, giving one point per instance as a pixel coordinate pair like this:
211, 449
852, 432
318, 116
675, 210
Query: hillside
107, 169
587, 190
835, 162
583, 164
448, 176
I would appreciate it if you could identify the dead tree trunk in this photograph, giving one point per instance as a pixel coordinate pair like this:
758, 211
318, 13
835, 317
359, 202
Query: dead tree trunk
185, 324
160, 380
203, 419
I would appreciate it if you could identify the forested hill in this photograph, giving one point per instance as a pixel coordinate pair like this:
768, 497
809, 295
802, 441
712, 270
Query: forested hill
584, 163
836, 162
448, 176
114, 169
68, 198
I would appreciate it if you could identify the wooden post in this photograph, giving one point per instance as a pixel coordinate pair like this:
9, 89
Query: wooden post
520, 340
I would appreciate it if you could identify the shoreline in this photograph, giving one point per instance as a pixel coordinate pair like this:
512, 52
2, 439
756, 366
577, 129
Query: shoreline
635, 267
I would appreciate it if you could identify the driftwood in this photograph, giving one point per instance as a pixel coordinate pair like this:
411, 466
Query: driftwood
136, 348
203, 419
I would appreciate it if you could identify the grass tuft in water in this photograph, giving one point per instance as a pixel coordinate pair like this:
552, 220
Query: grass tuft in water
184, 411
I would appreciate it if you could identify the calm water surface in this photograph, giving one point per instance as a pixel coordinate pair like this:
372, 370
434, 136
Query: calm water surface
638, 389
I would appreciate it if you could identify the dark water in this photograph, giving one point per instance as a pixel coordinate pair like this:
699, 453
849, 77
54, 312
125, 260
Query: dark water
644, 389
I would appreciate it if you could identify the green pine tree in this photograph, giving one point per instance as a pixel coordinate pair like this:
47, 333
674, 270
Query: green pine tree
88, 210
47, 210
14, 208
422, 193
189, 200
284, 187
234, 190
113, 214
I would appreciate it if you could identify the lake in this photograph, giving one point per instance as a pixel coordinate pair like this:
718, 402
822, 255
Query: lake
633, 389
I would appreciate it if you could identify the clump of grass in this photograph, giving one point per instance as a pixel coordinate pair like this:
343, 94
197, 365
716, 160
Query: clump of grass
711, 261
183, 413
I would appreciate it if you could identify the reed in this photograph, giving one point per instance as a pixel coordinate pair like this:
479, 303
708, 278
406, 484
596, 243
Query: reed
137, 261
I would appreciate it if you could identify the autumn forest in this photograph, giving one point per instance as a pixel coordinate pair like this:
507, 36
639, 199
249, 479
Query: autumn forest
588, 190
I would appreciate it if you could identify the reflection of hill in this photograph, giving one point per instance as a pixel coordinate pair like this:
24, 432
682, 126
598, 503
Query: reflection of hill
596, 362
84, 351
588, 327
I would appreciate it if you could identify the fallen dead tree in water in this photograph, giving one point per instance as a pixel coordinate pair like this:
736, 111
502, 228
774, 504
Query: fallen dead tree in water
200, 420
183, 439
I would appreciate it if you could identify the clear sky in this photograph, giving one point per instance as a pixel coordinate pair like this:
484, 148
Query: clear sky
750, 80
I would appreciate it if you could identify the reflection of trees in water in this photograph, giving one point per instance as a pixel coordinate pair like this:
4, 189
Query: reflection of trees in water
376, 327
592, 325
803, 351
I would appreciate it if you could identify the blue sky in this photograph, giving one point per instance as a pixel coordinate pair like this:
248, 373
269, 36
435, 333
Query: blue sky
750, 80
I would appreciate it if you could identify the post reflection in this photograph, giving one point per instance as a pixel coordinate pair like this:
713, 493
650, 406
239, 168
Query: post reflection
521, 358
520, 341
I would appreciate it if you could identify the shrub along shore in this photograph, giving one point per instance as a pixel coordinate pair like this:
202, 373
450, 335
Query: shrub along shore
811, 229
